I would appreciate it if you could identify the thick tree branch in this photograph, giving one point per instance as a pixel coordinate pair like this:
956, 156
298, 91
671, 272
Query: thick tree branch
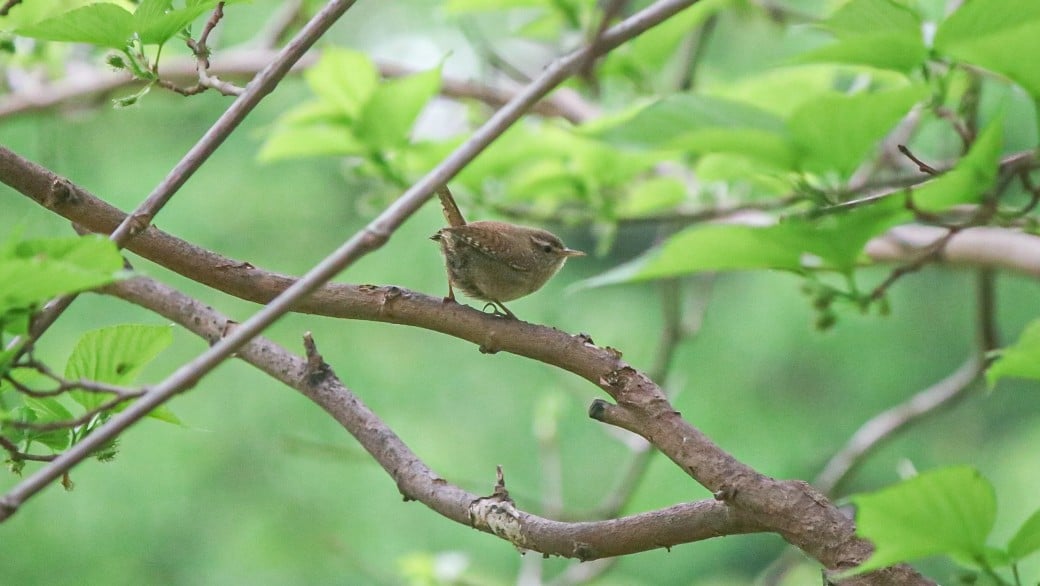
683, 523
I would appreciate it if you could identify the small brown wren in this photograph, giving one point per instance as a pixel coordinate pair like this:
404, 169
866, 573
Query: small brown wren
496, 261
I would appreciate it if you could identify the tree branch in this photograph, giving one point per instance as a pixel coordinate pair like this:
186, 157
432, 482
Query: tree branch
683, 523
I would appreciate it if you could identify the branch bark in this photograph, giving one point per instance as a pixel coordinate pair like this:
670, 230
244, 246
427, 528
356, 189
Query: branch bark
662, 528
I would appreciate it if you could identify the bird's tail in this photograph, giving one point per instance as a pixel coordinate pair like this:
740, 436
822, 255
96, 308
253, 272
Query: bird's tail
451, 210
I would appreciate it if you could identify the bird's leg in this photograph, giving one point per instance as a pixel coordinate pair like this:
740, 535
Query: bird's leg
501, 310
451, 294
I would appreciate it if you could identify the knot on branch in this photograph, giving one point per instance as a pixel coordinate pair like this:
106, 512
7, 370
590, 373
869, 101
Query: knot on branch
498, 514
61, 192
615, 380
390, 294
317, 369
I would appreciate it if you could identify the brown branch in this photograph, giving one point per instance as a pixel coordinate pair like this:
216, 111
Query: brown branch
65, 385
75, 422
312, 377
5, 9
610, 11
932, 253
694, 52
16, 455
921, 165
287, 14
201, 51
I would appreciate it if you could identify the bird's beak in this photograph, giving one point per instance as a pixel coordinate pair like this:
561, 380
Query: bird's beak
571, 252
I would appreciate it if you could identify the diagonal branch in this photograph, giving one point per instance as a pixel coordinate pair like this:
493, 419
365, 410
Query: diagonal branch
872, 434
370, 238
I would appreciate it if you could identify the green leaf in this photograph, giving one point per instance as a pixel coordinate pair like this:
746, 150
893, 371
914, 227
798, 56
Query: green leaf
27, 13
783, 90
868, 17
114, 355
673, 117
983, 18
156, 23
884, 50
835, 133
970, 179
1021, 359
702, 125
995, 34
1027, 539
343, 78
949, 511
34, 271
104, 24
655, 195
761, 146
388, 115
46, 410
832, 243
529, 158
649, 52
1003, 53
309, 141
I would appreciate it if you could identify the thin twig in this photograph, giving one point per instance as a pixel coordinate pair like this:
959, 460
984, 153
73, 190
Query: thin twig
17, 455
363, 242
75, 422
563, 103
65, 386
287, 14
1015, 163
610, 12
921, 165
872, 434
930, 254
696, 49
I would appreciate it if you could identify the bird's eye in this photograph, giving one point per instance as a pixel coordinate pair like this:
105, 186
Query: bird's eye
546, 248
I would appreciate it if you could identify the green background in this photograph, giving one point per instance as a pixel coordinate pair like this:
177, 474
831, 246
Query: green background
262, 487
